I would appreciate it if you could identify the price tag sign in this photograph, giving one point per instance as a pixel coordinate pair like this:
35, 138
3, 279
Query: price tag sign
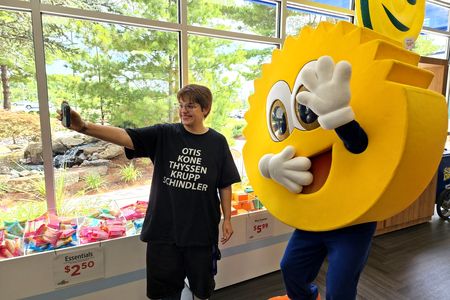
78, 266
259, 226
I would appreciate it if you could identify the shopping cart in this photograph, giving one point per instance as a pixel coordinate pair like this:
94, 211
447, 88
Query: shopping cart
443, 187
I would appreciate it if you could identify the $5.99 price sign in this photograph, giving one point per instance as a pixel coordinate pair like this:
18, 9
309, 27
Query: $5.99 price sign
259, 226
78, 266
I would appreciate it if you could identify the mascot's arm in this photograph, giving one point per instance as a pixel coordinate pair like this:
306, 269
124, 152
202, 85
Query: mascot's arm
289, 171
354, 137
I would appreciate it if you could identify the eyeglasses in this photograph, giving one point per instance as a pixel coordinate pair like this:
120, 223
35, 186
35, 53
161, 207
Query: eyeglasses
189, 106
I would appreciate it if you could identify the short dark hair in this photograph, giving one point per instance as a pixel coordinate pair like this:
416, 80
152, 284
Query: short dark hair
198, 94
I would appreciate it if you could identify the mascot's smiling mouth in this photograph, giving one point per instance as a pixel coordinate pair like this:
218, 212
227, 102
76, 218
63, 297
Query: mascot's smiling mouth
320, 168
365, 14
399, 25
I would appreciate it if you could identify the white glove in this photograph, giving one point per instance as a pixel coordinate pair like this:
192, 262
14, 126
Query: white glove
328, 92
289, 171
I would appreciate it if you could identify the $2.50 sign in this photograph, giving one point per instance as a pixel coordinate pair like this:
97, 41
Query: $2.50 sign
259, 225
78, 266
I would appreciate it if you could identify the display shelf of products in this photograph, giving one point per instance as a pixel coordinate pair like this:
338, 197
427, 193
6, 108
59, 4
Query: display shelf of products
248, 254
34, 249
50, 232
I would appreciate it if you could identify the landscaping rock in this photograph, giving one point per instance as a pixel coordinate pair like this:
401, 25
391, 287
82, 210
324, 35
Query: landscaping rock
4, 150
111, 151
33, 153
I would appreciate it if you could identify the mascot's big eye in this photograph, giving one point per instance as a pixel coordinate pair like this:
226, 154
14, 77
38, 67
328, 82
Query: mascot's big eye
305, 116
278, 120
278, 112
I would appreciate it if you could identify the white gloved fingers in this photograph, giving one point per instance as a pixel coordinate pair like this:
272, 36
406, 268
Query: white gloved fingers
286, 169
308, 77
342, 72
324, 68
299, 177
299, 163
307, 99
276, 163
263, 165
287, 153
290, 185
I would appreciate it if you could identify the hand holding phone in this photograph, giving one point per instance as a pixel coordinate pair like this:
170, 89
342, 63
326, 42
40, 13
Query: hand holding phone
65, 112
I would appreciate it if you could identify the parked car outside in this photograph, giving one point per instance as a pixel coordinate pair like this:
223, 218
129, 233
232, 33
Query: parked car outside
25, 105
237, 113
28, 106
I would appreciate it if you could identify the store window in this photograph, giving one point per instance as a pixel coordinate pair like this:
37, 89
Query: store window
243, 16
22, 188
112, 75
161, 10
228, 68
431, 45
436, 17
299, 18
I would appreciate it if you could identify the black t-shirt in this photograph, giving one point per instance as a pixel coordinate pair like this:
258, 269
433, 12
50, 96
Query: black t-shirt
184, 206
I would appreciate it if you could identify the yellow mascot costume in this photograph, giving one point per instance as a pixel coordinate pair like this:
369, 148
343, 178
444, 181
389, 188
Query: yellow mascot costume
343, 132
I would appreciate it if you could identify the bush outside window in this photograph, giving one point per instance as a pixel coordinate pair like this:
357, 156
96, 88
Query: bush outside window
431, 45
249, 16
160, 10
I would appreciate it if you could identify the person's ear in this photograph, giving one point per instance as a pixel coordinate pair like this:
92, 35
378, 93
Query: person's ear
206, 112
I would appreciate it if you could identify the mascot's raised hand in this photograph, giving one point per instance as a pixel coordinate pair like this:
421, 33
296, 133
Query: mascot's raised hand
289, 171
328, 92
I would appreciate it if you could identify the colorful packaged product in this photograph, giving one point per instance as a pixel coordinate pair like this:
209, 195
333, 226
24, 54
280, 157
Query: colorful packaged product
244, 200
134, 214
102, 225
50, 232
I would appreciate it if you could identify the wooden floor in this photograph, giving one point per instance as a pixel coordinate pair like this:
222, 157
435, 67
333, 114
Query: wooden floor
412, 263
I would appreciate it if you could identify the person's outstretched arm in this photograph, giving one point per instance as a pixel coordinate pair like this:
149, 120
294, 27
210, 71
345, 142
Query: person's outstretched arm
110, 134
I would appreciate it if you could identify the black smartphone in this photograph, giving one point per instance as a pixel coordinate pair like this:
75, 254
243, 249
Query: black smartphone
65, 111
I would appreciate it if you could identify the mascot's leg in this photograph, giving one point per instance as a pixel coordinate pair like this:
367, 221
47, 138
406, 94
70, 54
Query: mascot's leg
348, 250
301, 263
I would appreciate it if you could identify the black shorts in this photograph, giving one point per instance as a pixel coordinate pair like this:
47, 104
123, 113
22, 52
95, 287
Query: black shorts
168, 266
